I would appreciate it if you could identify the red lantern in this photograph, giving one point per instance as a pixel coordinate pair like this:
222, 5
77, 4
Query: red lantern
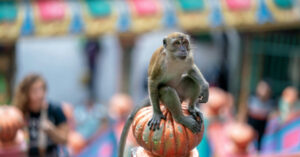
172, 139
11, 120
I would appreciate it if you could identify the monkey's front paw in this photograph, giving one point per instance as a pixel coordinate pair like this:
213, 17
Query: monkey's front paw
204, 94
196, 114
192, 124
155, 121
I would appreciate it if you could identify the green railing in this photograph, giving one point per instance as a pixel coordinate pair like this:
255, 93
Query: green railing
275, 58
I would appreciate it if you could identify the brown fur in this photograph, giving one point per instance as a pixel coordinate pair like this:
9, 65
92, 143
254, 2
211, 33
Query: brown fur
157, 58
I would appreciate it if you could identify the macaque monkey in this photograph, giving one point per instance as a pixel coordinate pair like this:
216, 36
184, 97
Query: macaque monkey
172, 78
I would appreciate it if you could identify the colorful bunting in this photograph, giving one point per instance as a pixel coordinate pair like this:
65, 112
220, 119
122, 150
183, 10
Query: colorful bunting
28, 26
196, 11
124, 16
146, 15
11, 20
263, 14
51, 10
51, 17
191, 5
281, 9
96, 17
99, 17
239, 13
169, 16
216, 17
8, 10
98, 8
284, 4
76, 25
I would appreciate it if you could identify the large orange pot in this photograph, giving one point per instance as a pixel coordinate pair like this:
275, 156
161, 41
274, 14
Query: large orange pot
11, 120
172, 139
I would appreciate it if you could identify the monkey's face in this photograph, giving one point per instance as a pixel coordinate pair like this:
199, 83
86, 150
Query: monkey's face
178, 46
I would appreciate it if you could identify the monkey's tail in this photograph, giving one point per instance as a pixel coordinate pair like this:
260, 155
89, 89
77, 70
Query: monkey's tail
127, 125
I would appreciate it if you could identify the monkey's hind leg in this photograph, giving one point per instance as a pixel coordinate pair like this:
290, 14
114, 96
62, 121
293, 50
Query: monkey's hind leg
171, 100
189, 90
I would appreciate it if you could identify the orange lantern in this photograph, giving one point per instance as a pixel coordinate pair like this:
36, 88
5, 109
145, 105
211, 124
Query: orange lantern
172, 139
11, 120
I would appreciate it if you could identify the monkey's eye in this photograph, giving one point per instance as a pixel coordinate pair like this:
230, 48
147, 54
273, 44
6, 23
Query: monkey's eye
185, 43
176, 43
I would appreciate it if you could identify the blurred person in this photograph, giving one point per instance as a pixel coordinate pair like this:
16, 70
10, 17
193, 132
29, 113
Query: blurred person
259, 108
89, 118
219, 106
283, 128
287, 103
46, 123
217, 115
120, 106
92, 51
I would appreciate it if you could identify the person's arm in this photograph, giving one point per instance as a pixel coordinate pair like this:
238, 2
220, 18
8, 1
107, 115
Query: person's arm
58, 129
58, 134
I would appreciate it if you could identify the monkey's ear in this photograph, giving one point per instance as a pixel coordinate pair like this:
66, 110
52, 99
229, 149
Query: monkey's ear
165, 42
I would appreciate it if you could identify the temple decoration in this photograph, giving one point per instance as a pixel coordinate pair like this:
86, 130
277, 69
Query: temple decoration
145, 15
284, 11
11, 20
239, 13
196, 11
263, 13
216, 15
99, 17
51, 17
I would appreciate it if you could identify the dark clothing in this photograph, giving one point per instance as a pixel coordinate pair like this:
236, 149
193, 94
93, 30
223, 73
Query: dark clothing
57, 117
258, 112
259, 126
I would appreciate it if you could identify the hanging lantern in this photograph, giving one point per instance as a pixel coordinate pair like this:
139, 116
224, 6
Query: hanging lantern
11, 120
51, 17
146, 15
239, 13
11, 20
284, 11
99, 17
193, 14
172, 139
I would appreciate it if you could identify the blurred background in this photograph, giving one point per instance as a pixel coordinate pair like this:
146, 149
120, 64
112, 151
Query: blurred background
93, 57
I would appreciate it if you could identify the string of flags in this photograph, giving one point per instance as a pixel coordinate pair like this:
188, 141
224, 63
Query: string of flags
96, 17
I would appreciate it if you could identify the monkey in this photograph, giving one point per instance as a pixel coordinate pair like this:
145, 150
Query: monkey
172, 78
